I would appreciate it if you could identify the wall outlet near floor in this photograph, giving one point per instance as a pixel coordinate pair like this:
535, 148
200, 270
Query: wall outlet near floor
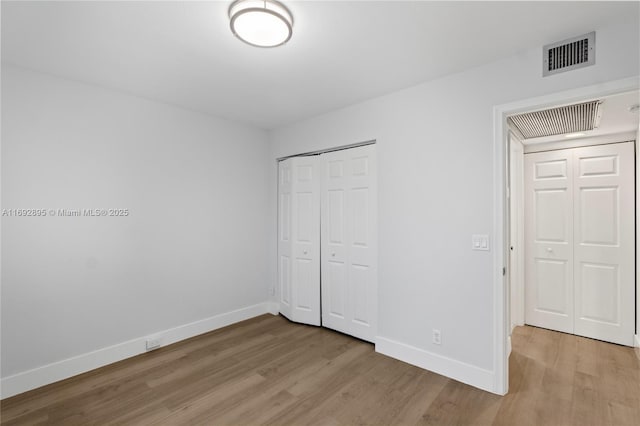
153, 342
437, 337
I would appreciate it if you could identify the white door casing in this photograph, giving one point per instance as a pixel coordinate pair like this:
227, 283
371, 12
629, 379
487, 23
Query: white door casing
580, 257
549, 240
349, 241
604, 240
516, 234
299, 239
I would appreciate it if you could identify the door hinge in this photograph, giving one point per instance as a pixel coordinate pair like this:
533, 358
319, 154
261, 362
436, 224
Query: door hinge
504, 271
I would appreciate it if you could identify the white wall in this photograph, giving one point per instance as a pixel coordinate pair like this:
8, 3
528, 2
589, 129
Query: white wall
435, 166
192, 248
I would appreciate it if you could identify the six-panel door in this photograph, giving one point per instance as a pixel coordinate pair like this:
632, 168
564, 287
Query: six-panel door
349, 249
604, 239
284, 237
299, 239
549, 240
580, 233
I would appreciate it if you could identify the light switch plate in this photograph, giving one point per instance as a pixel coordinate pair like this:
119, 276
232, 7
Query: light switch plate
480, 242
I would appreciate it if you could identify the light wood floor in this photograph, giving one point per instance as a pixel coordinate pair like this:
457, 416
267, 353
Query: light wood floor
270, 371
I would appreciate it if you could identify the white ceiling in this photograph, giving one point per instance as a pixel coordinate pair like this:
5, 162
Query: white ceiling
341, 52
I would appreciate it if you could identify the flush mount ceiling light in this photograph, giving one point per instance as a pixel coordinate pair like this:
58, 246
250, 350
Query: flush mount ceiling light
261, 23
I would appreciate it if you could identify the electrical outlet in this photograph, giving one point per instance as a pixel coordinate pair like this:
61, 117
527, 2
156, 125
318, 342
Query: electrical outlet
437, 337
154, 343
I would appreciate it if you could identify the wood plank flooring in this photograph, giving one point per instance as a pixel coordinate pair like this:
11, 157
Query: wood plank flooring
268, 371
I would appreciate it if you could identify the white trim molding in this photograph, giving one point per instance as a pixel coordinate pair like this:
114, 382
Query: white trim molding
40, 376
274, 308
636, 341
500, 132
458, 370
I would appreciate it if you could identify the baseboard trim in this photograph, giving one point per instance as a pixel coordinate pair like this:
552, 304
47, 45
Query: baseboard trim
50, 373
636, 341
460, 371
274, 308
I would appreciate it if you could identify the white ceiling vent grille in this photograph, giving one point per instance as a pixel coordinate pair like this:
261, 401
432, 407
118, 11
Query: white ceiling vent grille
566, 55
557, 121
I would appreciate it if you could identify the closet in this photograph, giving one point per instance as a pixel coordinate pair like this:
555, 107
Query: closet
580, 237
327, 240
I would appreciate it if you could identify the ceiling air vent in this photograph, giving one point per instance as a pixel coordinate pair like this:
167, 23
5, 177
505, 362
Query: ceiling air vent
558, 121
566, 55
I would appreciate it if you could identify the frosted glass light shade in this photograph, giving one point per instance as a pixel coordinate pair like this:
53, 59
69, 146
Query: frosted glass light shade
261, 23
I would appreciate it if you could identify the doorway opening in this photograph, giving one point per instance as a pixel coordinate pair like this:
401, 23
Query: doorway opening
519, 153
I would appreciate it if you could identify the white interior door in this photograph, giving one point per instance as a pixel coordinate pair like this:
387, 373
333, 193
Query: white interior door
284, 237
349, 241
580, 233
549, 240
604, 239
299, 239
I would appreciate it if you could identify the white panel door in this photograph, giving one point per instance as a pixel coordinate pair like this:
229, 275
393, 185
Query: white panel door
549, 240
299, 239
580, 238
604, 239
284, 237
349, 241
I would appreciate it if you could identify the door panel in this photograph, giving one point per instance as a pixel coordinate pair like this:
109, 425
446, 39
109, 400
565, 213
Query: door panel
554, 169
551, 289
336, 285
598, 212
285, 280
551, 220
360, 279
299, 239
335, 219
349, 250
600, 293
604, 249
284, 236
304, 217
549, 236
360, 207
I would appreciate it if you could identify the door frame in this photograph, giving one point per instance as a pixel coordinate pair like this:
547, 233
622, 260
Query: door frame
516, 255
501, 225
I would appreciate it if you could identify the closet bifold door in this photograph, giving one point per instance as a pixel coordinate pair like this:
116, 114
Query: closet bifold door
349, 241
549, 240
299, 239
580, 241
604, 239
